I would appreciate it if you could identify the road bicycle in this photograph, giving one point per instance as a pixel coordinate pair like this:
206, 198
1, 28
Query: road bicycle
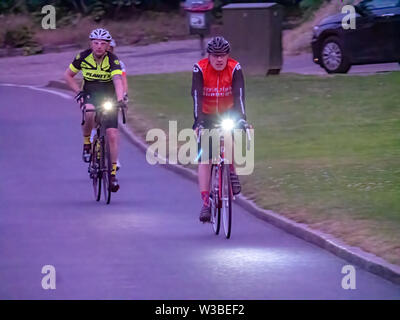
221, 194
100, 165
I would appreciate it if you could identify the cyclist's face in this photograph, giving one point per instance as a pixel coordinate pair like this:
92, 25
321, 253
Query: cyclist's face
99, 47
218, 61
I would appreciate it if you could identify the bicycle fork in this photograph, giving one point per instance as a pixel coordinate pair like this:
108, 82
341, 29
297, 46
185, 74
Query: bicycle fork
94, 165
221, 165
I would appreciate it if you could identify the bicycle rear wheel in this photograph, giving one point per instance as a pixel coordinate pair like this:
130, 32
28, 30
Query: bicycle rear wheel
106, 170
226, 199
214, 200
95, 172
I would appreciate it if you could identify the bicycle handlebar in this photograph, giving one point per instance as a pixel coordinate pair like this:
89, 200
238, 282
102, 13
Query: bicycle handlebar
247, 128
83, 107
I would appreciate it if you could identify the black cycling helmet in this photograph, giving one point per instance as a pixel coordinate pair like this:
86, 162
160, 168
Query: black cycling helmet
218, 45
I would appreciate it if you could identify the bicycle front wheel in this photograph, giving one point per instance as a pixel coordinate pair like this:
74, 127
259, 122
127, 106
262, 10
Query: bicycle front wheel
214, 200
106, 170
95, 173
226, 199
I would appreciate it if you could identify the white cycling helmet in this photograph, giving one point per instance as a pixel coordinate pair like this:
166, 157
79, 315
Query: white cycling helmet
112, 43
100, 34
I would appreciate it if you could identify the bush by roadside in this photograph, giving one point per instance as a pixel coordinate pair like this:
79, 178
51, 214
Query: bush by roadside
18, 32
24, 31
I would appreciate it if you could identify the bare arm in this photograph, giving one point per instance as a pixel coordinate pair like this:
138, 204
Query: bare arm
119, 87
69, 78
125, 83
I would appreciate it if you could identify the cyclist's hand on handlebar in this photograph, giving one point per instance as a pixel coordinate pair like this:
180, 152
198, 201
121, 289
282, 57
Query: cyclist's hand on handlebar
198, 126
121, 104
80, 97
126, 98
243, 124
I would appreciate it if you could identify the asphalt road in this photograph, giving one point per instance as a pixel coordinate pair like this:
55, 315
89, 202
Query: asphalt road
148, 243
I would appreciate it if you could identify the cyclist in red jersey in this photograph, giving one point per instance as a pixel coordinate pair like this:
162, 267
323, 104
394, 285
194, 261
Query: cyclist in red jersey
217, 91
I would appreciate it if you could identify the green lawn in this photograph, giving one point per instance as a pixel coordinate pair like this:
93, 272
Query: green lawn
327, 149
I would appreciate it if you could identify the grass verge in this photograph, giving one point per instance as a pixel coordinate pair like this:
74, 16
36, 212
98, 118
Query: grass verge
327, 149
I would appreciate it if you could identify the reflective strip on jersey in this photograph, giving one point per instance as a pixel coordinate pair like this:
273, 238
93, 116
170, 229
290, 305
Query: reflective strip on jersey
241, 101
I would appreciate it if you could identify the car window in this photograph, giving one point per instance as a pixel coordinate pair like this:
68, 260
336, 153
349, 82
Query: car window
378, 4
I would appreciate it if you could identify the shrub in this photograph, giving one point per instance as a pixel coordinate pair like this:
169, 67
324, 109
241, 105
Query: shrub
22, 37
18, 37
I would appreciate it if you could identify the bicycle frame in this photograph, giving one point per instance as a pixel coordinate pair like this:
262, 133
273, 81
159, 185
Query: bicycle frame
221, 195
221, 163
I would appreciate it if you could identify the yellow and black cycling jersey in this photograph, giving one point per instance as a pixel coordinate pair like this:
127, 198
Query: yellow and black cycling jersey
96, 75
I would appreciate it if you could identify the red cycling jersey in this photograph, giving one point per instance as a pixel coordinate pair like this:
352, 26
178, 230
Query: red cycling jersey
215, 92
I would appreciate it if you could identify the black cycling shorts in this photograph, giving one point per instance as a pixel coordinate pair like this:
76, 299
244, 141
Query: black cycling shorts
213, 150
207, 153
109, 119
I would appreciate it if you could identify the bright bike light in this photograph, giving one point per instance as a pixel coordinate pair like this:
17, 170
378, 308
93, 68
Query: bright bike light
227, 124
107, 106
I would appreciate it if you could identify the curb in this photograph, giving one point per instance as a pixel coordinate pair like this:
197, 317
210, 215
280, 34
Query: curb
354, 255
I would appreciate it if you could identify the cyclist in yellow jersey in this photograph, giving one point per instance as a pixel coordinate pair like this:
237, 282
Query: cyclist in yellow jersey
102, 76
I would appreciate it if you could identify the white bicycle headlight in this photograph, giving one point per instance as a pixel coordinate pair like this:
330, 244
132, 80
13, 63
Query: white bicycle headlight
107, 106
227, 124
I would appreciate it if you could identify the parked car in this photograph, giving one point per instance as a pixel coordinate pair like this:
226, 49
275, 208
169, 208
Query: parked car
375, 39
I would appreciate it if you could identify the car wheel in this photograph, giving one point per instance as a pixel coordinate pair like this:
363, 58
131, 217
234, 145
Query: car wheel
332, 56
